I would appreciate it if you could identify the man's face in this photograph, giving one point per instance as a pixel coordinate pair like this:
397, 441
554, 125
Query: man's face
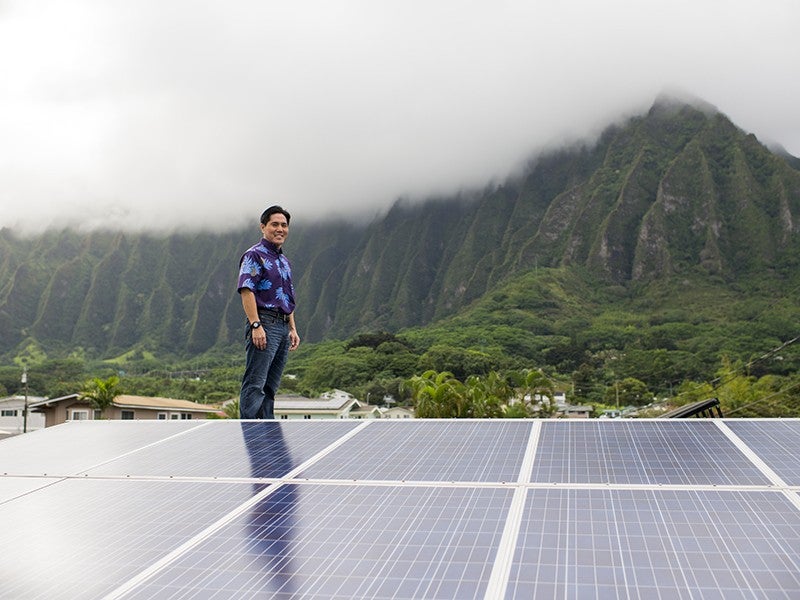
276, 229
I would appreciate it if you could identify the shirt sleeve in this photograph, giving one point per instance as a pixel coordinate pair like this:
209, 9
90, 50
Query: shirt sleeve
249, 272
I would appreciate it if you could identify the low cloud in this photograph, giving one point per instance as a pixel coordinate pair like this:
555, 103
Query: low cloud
164, 115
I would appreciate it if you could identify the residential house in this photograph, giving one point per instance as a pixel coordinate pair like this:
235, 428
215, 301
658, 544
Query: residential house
335, 404
12, 415
576, 411
397, 412
124, 407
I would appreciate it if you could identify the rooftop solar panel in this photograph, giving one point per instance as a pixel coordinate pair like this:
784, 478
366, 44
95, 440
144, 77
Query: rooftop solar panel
402, 509
13, 487
89, 443
232, 449
641, 452
79, 538
593, 543
416, 450
776, 442
401, 542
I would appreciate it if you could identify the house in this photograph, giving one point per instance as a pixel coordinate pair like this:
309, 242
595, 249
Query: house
124, 407
579, 411
397, 412
335, 404
12, 415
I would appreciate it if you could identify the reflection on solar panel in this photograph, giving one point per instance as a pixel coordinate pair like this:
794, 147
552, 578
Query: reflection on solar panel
231, 449
306, 540
412, 509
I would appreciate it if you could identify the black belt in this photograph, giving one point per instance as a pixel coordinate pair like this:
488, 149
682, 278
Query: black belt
274, 314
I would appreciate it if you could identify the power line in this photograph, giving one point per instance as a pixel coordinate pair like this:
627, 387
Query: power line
760, 400
722, 380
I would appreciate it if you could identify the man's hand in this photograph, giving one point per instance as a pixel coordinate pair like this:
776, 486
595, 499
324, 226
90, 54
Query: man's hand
259, 337
294, 339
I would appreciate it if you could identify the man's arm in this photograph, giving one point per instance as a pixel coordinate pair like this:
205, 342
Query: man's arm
294, 339
259, 336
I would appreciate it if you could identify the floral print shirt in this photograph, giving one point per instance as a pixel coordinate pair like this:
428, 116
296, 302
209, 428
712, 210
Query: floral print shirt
265, 271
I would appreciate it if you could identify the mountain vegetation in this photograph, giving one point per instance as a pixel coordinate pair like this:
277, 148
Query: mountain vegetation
665, 252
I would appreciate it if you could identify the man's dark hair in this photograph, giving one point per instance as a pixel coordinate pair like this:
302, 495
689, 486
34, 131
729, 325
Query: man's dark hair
271, 211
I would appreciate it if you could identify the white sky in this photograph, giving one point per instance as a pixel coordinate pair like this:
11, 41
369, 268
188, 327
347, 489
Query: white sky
190, 114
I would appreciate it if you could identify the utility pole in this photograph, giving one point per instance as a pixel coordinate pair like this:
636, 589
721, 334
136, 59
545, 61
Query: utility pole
25, 409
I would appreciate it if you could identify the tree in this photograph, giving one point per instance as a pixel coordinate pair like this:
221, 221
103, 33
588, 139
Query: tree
101, 392
535, 388
487, 395
438, 395
229, 411
628, 392
458, 361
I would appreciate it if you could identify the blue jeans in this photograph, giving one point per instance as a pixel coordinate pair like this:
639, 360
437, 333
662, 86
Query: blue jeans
263, 370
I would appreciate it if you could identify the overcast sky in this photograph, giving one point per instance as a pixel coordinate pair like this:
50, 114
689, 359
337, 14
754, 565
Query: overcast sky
197, 114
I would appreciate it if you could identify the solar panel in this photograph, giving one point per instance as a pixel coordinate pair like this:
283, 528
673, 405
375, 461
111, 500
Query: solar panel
89, 443
402, 509
401, 542
79, 538
231, 449
12, 487
641, 452
416, 450
776, 442
591, 543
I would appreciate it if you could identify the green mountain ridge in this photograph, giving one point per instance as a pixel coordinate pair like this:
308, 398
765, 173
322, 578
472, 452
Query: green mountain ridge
679, 191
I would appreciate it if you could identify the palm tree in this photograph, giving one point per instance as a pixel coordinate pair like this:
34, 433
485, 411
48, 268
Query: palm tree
101, 392
437, 395
531, 383
487, 395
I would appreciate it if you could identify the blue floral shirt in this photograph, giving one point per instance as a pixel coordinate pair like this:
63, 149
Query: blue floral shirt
265, 271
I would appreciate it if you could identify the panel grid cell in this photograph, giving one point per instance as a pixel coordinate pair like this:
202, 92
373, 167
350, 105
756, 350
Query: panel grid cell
641, 452
337, 541
481, 451
643, 544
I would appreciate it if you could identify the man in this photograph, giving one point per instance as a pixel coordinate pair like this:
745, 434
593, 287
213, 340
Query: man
265, 286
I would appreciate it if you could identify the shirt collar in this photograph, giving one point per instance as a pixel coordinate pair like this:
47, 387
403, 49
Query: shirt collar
270, 246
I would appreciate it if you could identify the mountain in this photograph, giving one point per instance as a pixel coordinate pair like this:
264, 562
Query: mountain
678, 190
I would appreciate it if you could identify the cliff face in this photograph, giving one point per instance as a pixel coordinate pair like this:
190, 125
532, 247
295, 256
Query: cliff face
677, 189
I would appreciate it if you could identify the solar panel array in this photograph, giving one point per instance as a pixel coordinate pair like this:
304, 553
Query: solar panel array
402, 509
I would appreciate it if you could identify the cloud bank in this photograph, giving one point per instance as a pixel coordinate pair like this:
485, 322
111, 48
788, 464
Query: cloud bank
180, 114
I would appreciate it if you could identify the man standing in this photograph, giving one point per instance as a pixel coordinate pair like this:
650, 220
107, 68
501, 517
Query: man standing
265, 286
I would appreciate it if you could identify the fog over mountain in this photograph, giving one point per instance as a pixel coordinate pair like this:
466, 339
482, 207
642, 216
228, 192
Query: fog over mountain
179, 115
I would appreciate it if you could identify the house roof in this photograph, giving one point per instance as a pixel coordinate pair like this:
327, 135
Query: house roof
335, 403
128, 401
20, 400
45, 402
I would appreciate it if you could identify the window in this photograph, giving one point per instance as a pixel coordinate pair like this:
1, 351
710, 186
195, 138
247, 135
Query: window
284, 416
97, 415
127, 415
79, 415
186, 416
162, 416
8, 413
306, 416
